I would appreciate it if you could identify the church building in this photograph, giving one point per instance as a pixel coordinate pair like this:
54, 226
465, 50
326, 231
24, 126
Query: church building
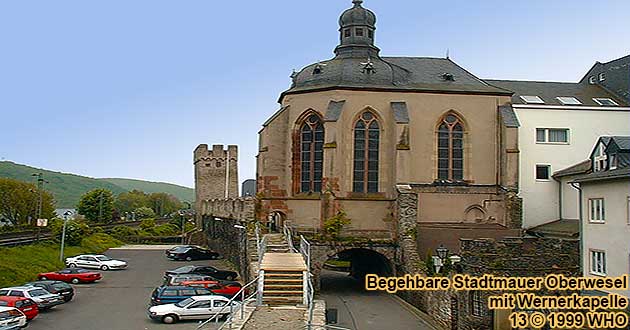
354, 131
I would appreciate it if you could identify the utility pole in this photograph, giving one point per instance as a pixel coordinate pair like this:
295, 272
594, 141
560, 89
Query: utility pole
40, 200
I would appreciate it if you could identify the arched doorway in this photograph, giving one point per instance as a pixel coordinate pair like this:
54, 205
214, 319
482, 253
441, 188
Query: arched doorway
275, 221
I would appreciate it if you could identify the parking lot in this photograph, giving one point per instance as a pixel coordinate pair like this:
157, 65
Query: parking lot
119, 301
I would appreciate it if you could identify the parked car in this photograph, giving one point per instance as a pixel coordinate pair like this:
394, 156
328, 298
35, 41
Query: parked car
95, 261
26, 305
205, 270
193, 308
71, 275
11, 317
192, 253
58, 287
43, 298
177, 279
178, 247
172, 294
226, 289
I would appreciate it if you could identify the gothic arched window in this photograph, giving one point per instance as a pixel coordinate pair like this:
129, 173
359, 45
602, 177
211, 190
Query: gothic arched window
451, 148
366, 143
311, 154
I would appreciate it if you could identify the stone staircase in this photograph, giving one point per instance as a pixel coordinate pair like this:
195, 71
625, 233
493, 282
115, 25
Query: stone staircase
284, 273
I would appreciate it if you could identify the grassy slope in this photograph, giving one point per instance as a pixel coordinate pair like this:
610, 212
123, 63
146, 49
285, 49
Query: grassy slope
21, 264
67, 188
183, 193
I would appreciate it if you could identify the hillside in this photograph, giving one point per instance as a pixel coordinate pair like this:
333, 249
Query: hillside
68, 188
182, 193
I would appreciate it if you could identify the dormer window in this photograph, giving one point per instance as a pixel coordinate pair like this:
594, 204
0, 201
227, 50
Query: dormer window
613, 161
591, 80
448, 77
358, 32
370, 34
599, 161
604, 101
568, 100
602, 76
532, 99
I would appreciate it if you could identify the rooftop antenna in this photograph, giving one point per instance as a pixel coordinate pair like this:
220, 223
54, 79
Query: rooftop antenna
448, 57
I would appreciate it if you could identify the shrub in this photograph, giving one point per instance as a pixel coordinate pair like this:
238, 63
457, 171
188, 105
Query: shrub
147, 224
334, 225
122, 232
75, 230
144, 213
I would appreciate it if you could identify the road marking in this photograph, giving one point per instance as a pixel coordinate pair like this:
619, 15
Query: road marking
144, 247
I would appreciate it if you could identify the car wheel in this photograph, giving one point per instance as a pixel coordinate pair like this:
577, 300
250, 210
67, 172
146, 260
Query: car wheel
43, 278
72, 265
104, 268
75, 281
169, 319
188, 259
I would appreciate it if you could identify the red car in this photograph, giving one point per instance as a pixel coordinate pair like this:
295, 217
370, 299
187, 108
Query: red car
25, 305
225, 289
71, 275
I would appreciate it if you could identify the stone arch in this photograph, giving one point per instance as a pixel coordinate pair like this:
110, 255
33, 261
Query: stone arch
275, 220
475, 214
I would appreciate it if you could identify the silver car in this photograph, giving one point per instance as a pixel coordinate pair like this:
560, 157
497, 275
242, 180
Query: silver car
41, 297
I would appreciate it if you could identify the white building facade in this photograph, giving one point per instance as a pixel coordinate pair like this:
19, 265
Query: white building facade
559, 123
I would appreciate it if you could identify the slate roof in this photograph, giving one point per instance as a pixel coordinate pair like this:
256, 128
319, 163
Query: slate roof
391, 73
619, 173
568, 228
509, 116
548, 91
623, 142
579, 168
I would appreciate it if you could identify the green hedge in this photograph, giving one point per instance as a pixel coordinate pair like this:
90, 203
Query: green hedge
21, 264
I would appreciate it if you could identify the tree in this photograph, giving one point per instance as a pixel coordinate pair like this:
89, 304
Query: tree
18, 202
97, 205
144, 213
129, 201
164, 204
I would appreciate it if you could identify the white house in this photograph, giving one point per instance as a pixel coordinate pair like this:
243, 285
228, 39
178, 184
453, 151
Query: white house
605, 204
558, 124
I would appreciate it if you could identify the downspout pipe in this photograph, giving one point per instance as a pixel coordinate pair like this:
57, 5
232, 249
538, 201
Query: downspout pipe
581, 225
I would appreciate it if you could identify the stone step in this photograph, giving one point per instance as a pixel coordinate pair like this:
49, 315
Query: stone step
284, 275
283, 280
282, 287
277, 301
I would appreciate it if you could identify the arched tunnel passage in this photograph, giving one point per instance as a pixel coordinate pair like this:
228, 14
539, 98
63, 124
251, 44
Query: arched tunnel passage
342, 286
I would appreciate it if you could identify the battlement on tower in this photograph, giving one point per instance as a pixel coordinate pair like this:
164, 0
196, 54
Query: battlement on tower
216, 172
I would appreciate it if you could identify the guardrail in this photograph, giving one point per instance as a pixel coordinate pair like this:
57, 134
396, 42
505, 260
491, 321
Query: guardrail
230, 305
288, 235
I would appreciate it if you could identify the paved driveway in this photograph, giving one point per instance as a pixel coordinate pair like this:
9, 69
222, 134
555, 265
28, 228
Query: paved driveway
362, 310
119, 301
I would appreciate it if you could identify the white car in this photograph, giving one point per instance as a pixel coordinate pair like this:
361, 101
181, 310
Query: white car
193, 308
11, 318
41, 297
96, 261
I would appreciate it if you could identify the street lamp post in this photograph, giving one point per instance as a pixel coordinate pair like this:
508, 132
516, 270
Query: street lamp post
438, 261
63, 233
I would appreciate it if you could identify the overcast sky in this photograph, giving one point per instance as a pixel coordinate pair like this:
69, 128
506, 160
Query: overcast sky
128, 88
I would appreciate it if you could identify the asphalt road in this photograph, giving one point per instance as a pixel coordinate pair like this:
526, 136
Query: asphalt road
358, 309
119, 301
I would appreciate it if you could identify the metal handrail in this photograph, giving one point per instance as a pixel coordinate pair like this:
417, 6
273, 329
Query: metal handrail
229, 304
257, 231
241, 307
324, 327
288, 235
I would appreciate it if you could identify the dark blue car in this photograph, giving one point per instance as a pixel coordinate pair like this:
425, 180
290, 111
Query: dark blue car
173, 294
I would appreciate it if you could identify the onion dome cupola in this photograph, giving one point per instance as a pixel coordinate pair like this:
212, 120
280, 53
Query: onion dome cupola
357, 29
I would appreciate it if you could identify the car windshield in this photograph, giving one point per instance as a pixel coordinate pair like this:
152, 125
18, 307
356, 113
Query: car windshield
103, 258
61, 285
4, 303
82, 271
180, 248
184, 302
184, 269
38, 292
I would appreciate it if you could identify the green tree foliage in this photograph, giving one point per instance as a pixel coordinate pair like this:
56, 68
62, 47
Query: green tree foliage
128, 202
144, 213
164, 204
97, 205
18, 202
334, 225
75, 231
